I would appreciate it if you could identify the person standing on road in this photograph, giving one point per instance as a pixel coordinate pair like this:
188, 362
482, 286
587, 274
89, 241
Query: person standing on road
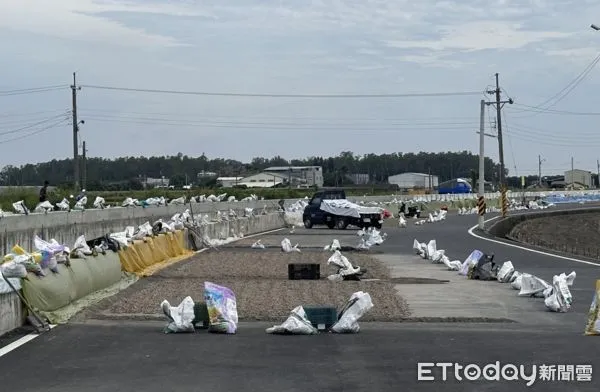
44, 192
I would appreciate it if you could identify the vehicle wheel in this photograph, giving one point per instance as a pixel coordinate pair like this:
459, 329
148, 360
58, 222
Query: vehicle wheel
331, 224
307, 223
341, 224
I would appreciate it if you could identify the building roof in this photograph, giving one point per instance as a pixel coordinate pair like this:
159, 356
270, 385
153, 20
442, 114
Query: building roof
414, 174
229, 178
274, 174
260, 184
281, 168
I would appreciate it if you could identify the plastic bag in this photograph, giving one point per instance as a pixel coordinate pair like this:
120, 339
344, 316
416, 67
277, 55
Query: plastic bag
452, 265
99, 202
532, 286
13, 269
345, 267
64, 205
436, 257
335, 245
181, 317
516, 282
82, 246
295, 324
80, 205
506, 271
258, 245
593, 324
485, 269
286, 246
44, 207
222, 308
20, 207
358, 304
471, 261
401, 222
560, 299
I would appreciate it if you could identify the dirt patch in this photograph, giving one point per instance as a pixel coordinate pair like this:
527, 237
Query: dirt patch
574, 234
259, 281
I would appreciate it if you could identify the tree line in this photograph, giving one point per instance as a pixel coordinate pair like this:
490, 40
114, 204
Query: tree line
129, 173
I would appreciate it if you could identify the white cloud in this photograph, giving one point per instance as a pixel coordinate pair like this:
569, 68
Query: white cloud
74, 20
479, 36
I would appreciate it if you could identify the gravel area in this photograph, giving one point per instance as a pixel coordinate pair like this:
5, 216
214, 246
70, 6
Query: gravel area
259, 281
574, 234
227, 263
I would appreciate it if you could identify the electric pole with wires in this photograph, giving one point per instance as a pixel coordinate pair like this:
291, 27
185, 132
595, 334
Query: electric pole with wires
499, 105
74, 89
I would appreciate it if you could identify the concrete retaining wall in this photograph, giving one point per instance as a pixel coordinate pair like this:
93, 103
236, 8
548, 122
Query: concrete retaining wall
12, 314
502, 227
70, 225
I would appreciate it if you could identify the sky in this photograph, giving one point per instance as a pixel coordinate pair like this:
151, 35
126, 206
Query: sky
543, 50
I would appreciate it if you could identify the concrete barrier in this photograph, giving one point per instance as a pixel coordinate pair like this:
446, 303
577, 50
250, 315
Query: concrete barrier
12, 314
503, 227
52, 293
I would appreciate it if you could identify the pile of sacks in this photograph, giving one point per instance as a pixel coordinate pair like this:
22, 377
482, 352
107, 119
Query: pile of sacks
347, 320
221, 307
480, 266
369, 238
293, 214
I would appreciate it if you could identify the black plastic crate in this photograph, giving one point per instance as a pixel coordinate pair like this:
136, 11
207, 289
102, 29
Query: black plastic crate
304, 271
321, 317
200, 315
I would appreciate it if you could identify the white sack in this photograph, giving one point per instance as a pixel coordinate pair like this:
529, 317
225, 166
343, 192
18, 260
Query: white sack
335, 245
532, 286
505, 272
286, 246
296, 324
358, 304
561, 298
180, 317
257, 245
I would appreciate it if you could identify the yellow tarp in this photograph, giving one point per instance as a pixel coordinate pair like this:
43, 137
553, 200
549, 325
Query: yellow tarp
145, 257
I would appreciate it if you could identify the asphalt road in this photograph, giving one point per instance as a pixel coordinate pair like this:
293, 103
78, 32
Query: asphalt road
132, 356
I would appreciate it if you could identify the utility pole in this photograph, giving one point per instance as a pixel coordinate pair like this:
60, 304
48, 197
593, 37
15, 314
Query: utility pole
540, 161
499, 104
572, 173
499, 122
84, 166
481, 218
74, 89
598, 173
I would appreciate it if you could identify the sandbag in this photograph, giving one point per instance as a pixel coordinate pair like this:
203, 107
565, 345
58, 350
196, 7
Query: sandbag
296, 324
358, 304
593, 324
560, 298
532, 286
484, 269
472, 260
222, 308
181, 317
505, 272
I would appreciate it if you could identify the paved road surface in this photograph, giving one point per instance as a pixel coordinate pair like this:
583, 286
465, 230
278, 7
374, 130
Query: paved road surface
135, 356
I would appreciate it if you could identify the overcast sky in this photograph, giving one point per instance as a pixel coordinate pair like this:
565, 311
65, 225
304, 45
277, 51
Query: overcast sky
300, 47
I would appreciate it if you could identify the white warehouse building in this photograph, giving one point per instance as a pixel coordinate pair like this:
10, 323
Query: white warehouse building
414, 180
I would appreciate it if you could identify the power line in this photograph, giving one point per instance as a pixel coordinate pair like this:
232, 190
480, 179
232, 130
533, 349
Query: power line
257, 95
253, 117
529, 108
209, 122
27, 114
61, 122
34, 124
31, 90
280, 128
567, 89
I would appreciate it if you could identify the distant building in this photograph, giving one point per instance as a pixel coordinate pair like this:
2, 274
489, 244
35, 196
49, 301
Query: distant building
229, 182
359, 178
206, 174
414, 180
156, 182
264, 180
300, 175
580, 177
